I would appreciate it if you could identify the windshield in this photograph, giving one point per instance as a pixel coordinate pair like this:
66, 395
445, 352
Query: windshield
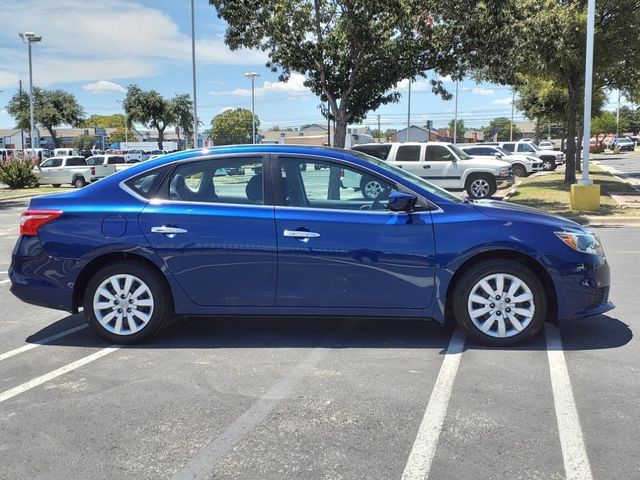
534, 147
502, 151
430, 187
462, 155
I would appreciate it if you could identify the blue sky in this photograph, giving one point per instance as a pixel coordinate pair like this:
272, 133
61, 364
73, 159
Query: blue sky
94, 49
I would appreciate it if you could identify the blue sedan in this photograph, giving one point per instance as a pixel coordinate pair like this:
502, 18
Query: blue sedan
289, 235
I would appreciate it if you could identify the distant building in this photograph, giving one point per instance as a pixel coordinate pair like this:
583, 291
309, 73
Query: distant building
417, 134
316, 134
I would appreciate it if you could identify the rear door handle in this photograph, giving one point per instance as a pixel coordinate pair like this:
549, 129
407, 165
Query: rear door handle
168, 231
300, 234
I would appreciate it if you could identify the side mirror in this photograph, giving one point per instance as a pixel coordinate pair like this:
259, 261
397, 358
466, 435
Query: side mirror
402, 202
498, 155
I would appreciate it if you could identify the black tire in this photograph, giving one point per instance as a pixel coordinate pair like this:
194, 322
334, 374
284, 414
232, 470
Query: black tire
79, 182
548, 164
480, 185
55, 185
466, 286
370, 188
161, 311
519, 170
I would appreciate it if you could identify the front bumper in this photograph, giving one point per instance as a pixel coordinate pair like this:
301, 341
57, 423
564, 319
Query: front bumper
504, 182
582, 287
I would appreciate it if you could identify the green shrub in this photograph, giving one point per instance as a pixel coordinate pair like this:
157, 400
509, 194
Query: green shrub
18, 174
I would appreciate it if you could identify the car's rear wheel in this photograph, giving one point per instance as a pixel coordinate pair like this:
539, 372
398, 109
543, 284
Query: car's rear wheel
548, 164
79, 182
519, 170
126, 302
499, 303
371, 188
481, 186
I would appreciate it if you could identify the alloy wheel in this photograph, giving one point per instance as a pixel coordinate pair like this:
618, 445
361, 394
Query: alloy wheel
480, 188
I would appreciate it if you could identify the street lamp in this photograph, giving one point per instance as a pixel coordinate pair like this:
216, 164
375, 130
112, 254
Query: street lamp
193, 72
252, 76
30, 38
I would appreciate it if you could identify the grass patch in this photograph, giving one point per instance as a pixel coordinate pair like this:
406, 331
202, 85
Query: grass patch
8, 193
549, 193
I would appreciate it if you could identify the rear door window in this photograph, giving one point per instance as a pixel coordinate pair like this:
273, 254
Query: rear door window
408, 153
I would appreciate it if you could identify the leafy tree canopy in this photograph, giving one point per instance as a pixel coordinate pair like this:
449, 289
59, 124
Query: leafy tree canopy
232, 127
104, 121
501, 126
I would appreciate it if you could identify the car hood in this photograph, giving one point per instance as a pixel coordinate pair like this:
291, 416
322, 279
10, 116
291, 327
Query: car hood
484, 162
514, 212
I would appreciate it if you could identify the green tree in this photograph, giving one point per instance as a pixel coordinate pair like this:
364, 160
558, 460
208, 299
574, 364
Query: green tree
232, 127
104, 121
604, 124
460, 129
501, 126
182, 107
631, 119
119, 135
85, 142
353, 53
150, 109
52, 108
547, 38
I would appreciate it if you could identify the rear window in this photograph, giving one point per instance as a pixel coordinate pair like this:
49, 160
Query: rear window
115, 160
378, 151
76, 162
408, 153
95, 160
146, 184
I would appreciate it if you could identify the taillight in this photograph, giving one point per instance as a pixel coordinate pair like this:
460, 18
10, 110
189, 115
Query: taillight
93, 170
32, 220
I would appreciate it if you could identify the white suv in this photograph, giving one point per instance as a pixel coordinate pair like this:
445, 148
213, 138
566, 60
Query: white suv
443, 164
521, 165
550, 158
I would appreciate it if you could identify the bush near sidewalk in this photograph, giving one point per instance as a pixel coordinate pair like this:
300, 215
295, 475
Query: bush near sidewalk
548, 192
18, 174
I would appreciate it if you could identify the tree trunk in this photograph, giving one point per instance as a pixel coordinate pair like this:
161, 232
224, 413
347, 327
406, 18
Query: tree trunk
572, 110
339, 138
161, 137
579, 152
54, 138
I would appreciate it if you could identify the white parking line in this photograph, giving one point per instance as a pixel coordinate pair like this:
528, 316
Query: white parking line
574, 452
6, 395
44, 341
5, 281
424, 446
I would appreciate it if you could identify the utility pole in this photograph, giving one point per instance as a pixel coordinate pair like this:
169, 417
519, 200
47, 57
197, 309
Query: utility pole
455, 117
328, 125
618, 116
193, 68
252, 76
409, 111
588, 92
30, 38
21, 131
513, 101
379, 131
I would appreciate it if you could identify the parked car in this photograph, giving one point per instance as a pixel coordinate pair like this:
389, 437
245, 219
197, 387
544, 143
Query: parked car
444, 164
104, 165
7, 154
521, 165
58, 171
135, 156
624, 144
546, 145
550, 159
167, 237
66, 152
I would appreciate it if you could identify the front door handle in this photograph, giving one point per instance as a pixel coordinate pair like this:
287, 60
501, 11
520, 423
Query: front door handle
426, 166
168, 231
302, 235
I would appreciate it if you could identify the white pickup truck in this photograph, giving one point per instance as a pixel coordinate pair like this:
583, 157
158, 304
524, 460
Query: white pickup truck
103, 165
58, 171
443, 164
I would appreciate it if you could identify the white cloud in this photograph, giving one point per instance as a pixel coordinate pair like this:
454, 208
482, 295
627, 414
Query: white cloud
482, 91
102, 86
226, 109
130, 40
418, 85
294, 88
502, 101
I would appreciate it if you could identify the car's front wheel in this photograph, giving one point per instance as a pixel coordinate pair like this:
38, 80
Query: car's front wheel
481, 186
126, 302
499, 302
548, 164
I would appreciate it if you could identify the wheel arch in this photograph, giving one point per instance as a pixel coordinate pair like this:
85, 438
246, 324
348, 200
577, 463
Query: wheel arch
97, 263
503, 254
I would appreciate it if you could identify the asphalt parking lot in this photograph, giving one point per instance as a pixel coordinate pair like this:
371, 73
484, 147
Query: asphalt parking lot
320, 398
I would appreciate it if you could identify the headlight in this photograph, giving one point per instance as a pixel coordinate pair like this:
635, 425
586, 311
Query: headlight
534, 159
504, 171
585, 242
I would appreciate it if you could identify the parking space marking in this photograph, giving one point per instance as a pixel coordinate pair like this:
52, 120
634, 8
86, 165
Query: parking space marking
424, 446
202, 465
574, 452
6, 395
44, 341
5, 281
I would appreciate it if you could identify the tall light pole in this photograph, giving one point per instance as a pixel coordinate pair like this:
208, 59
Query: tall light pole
588, 91
252, 76
513, 101
455, 117
409, 111
30, 38
193, 67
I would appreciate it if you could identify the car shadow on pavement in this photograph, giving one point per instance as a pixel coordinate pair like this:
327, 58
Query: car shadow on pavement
600, 332
8, 204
